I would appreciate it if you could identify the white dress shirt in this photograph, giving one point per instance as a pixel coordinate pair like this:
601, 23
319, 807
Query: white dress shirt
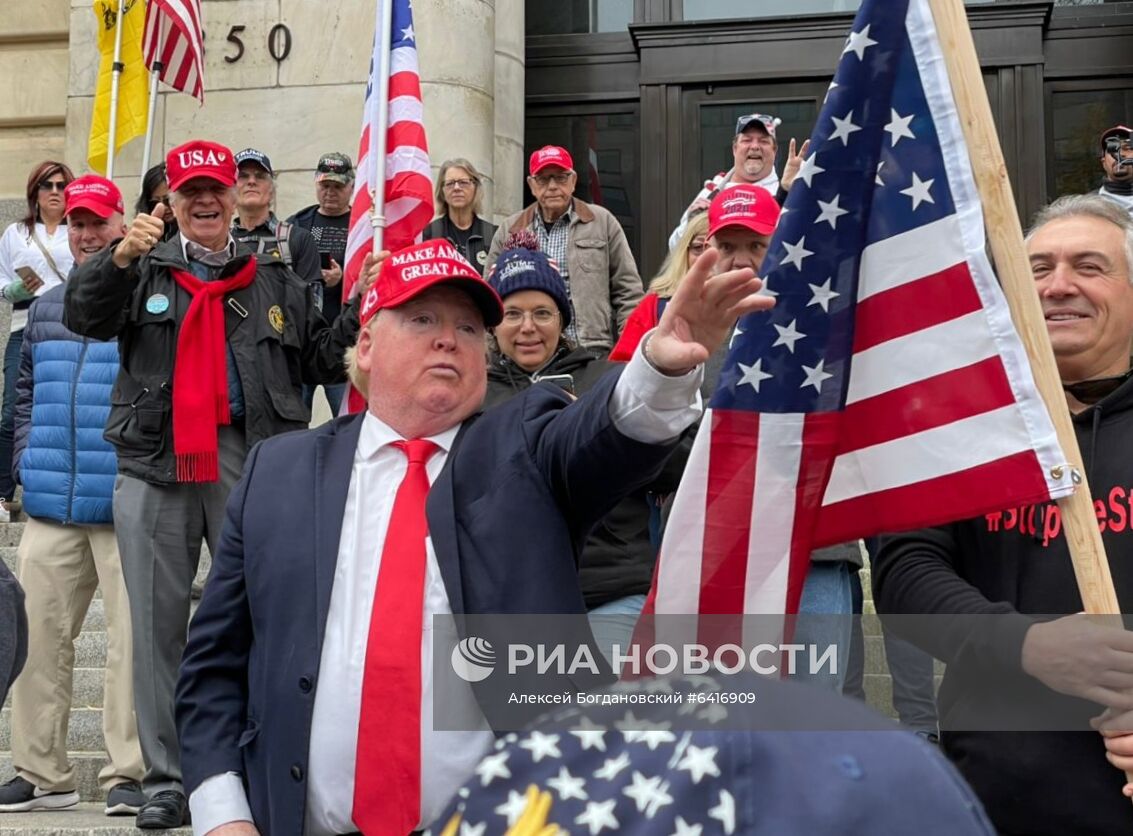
646, 406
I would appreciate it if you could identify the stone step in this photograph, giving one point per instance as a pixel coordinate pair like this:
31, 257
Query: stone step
83, 820
86, 766
84, 732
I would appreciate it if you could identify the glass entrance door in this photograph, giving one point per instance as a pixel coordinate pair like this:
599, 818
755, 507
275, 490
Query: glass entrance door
709, 116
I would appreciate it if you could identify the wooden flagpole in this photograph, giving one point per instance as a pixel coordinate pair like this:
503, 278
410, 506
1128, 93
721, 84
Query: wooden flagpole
1005, 234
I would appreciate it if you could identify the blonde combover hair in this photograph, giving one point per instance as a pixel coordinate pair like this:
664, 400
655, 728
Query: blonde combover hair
439, 191
665, 283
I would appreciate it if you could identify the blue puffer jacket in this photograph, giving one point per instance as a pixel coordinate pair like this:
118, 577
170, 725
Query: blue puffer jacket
62, 401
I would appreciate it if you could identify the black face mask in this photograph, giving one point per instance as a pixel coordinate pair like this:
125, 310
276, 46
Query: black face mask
1090, 392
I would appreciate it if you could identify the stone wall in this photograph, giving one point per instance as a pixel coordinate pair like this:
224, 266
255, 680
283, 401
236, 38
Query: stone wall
311, 102
33, 98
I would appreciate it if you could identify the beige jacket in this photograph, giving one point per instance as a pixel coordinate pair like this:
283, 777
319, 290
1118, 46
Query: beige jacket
604, 283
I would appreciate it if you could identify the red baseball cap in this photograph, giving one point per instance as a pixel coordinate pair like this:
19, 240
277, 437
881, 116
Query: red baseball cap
744, 206
200, 158
94, 193
550, 155
411, 271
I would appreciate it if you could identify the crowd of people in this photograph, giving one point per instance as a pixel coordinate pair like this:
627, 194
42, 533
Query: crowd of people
530, 404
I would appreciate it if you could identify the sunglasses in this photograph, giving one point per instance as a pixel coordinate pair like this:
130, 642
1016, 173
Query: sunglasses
52, 185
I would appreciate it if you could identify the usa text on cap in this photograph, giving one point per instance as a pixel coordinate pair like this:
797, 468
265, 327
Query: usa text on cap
199, 158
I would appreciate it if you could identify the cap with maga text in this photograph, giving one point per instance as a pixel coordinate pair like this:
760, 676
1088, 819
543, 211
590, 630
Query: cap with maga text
411, 271
550, 155
768, 123
199, 158
744, 206
94, 193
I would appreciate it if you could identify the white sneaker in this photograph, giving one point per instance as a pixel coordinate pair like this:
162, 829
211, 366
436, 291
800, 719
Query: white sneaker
20, 796
5, 514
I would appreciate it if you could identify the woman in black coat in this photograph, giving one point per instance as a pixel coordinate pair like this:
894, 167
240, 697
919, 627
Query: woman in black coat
616, 566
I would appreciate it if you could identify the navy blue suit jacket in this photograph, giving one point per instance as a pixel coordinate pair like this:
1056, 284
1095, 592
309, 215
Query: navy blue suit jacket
519, 492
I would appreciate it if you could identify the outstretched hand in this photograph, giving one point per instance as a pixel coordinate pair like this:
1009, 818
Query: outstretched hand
701, 314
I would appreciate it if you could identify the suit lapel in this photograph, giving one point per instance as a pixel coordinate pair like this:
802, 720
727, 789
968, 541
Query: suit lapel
441, 512
334, 460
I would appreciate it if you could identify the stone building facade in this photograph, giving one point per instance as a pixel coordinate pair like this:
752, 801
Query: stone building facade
286, 76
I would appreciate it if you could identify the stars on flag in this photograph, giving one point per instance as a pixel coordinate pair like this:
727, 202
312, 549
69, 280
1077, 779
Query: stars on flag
815, 376
541, 746
649, 794
859, 42
919, 191
823, 295
699, 761
843, 128
725, 811
753, 375
493, 767
568, 786
830, 211
788, 336
809, 169
796, 253
598, 816
898, 127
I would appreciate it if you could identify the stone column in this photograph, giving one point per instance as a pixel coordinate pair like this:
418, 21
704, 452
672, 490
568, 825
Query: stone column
508, 162
458, 83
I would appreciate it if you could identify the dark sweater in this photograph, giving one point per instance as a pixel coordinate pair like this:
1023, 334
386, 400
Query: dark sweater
1015, 565
617, 559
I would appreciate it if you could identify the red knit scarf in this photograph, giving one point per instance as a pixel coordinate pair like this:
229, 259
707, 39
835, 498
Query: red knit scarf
200, 374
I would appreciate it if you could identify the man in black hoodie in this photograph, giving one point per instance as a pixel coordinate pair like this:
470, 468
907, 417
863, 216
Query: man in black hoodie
1018, 660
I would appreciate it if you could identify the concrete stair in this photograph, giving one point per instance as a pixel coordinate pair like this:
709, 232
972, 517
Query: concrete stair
84, 734
85, 741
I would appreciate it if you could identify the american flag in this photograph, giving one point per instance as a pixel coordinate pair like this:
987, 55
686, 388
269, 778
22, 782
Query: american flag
408, 183
173, 36
887, 389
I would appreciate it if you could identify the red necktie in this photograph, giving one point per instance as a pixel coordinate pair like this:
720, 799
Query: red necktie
387, 774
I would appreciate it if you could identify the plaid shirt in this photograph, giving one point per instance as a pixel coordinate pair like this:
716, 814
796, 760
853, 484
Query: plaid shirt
554, 244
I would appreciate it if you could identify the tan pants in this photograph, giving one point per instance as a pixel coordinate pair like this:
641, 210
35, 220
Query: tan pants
59, 567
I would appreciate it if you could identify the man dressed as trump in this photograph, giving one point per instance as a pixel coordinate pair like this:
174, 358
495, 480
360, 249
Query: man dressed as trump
304, 704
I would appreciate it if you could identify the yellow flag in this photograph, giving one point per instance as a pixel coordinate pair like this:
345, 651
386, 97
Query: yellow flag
133, 86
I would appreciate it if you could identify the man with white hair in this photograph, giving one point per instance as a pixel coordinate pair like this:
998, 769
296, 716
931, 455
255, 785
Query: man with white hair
215, 346
68, 549
257, 226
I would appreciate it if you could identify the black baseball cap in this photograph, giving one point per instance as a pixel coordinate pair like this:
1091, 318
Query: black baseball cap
254, 156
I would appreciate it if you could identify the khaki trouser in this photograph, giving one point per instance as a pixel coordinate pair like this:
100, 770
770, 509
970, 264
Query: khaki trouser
59, 567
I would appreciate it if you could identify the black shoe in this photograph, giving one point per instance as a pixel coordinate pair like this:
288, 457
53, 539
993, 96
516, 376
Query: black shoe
22, 796
125, 799
166, 809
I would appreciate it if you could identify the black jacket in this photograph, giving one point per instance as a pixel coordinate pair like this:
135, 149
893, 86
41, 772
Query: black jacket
104, 302
479, 239
1011, 568
617, 559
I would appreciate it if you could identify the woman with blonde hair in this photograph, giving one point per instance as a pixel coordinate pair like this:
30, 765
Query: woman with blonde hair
693, 242
459, 203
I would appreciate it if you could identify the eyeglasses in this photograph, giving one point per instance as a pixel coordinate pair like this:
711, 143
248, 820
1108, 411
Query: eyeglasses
52, 185
463, 183
540, 316
561, 178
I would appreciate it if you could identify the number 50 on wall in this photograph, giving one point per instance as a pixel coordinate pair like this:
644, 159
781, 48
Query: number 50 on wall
278, 42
